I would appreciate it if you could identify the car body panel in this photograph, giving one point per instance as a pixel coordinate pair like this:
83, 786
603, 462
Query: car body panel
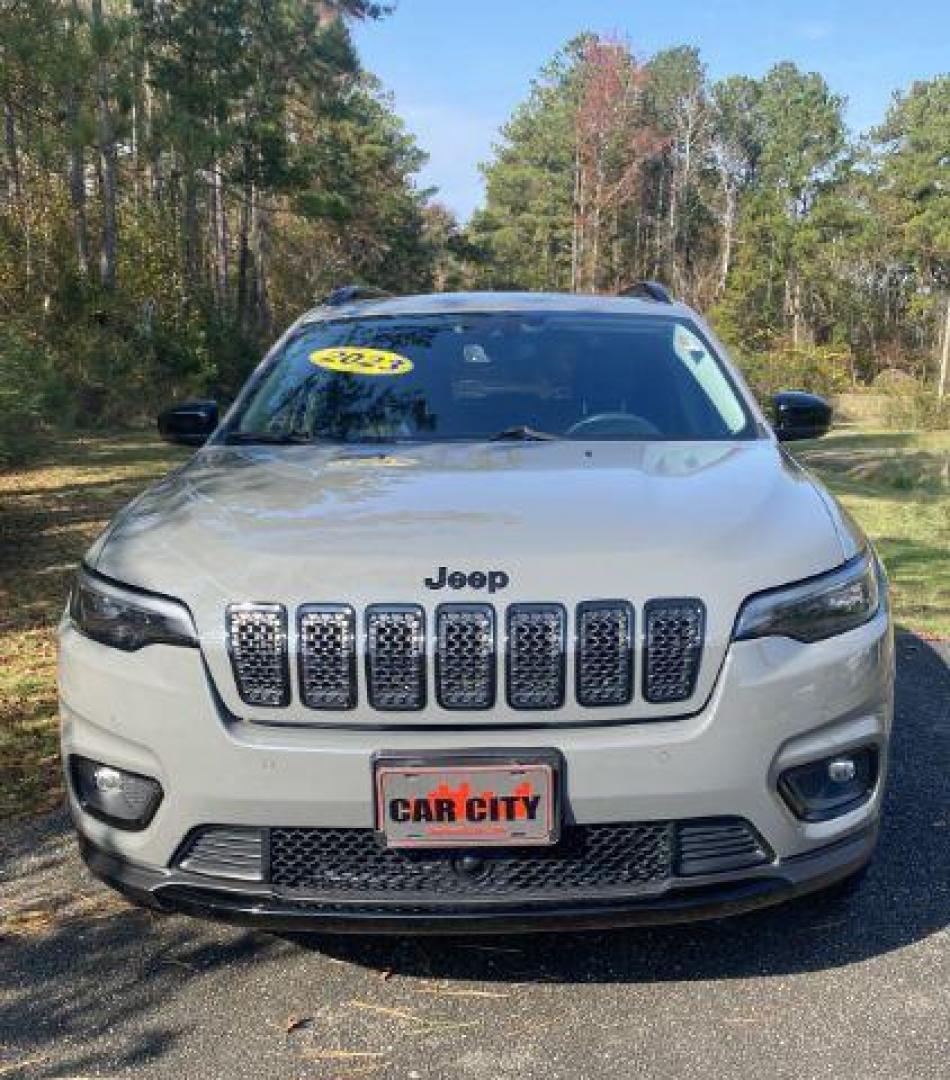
299, 525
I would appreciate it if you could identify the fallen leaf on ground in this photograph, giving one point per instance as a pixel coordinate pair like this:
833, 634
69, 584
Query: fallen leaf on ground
448, 991
411, 1017
16, 1066
341, 1055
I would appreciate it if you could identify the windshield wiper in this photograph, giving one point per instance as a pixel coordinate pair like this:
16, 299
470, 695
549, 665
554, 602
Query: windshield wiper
522, 433
271, 438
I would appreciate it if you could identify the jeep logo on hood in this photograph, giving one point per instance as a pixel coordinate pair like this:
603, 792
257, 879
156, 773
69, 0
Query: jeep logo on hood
474, 579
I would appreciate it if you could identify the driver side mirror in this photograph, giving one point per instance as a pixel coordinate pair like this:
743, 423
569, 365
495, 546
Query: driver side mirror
797, 415
189, 424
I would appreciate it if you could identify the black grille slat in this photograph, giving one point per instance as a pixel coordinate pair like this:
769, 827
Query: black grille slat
225, 853
604, 653
465, 656
673, 645
535, 655
395, 656
589, 859
326, 647
257, 646
717, 845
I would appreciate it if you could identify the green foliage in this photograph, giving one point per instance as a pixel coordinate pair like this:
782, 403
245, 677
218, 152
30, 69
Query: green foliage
821, 370
919, 409
822, 263
27, 393
525, 228
914, 164
178, 180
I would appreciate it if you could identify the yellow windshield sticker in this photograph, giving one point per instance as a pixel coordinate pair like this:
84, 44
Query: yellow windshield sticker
357, 360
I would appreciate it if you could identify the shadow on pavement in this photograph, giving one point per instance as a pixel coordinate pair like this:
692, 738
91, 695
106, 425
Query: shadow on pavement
63, 993
904, 898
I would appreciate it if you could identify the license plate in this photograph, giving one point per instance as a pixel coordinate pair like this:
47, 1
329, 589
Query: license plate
466, 802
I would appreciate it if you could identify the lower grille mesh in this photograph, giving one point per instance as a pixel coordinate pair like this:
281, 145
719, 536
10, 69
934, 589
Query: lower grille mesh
589, 858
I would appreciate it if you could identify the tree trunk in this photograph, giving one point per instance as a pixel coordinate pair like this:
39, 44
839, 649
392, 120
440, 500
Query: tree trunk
219, 231
137, 149
107, 156
260, 235
77, 159
944, 357
190, 225
14, 190
673, 214
77, 196
576, 221
244, 253
212, 228
728, 231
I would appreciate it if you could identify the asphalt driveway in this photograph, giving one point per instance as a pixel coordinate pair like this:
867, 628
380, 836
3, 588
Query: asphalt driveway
821, 988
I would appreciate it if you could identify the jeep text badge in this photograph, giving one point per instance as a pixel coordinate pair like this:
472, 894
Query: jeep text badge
493, 580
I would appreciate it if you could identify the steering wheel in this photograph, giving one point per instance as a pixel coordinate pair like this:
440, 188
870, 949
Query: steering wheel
613, 423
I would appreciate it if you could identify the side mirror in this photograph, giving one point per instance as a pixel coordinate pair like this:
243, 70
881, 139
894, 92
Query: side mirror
189, 423
798, 415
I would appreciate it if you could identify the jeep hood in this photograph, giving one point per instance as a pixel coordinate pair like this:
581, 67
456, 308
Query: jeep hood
566, 521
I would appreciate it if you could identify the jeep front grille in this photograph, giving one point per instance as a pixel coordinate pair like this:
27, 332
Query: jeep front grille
257, 645
604, 653
326, 652
465, 656
673, 645
536, 634
395, 656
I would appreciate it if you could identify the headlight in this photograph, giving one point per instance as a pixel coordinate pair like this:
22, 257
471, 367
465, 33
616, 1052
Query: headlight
127, 619
816, 609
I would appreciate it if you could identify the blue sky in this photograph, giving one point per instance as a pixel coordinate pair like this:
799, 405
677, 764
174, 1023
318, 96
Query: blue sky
457, 67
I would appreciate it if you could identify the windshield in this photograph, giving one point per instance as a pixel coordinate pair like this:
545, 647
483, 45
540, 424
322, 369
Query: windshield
492, 376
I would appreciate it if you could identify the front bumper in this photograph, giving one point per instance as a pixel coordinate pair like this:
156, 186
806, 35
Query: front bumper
172, 890
776, 704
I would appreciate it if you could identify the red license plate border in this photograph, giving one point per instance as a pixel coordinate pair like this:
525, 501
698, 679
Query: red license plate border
495, 757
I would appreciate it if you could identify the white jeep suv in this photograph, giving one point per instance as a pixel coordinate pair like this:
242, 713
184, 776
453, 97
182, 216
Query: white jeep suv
479, 612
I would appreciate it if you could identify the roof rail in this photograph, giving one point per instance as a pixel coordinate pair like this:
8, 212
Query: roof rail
648, 290
346, 294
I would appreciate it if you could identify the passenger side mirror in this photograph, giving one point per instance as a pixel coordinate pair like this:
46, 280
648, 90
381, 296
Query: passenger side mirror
190, 423
797, 415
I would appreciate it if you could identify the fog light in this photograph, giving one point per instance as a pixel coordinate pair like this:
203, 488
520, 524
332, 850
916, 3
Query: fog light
832, 786
842, 770
123, 799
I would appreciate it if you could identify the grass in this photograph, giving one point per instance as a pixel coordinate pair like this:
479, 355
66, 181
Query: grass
896, 484
50, 514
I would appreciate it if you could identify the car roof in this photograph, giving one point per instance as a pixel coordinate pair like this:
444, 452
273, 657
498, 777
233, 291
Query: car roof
449, 303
